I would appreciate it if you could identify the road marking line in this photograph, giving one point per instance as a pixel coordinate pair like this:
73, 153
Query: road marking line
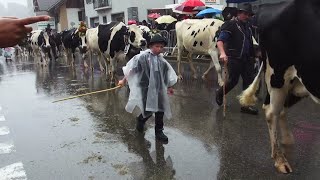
13, 171
2, 118
4, 130
6, 148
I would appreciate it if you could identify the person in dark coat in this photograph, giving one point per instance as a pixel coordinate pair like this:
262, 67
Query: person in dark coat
236, 48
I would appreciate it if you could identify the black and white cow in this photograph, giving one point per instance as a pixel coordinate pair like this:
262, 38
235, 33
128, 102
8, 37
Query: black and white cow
71, 40
109, 42
132, 50
41, 47
198, 36
57, 38
289, 33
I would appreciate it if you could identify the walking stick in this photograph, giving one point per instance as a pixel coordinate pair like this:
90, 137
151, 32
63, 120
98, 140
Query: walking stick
224, 89
86, 94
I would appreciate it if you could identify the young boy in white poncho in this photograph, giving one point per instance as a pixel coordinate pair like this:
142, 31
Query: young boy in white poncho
149, 76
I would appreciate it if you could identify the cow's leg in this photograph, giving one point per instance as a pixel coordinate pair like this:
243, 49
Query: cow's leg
43, 57
216, 64
100, 58
277, 100
84, 58
286, 134
91, 61
180, 50
194, 74
113, 64
73, 57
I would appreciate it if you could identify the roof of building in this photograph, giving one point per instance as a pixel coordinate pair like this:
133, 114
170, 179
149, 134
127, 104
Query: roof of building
46, 4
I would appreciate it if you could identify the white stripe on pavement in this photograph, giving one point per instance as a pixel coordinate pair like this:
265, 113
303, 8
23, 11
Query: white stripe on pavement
13, 171
4, 130
6, 148
2, 118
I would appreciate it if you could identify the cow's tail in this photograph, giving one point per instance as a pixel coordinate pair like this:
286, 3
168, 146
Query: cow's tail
248, 96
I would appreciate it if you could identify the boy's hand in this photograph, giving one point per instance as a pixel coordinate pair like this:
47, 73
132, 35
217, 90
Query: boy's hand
121, 83
170, 90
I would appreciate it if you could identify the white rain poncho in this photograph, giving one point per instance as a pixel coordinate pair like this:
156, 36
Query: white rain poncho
149, 76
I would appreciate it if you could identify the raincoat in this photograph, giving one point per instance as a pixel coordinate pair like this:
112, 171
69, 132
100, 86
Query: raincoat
149, 76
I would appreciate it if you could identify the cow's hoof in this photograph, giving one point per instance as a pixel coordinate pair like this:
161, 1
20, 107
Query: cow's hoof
195, 77
204, 77
283, 166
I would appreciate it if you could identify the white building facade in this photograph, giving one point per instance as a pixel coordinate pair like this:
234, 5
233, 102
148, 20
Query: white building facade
102, 11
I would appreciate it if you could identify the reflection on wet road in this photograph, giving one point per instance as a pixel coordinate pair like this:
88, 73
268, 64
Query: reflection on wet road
93, 137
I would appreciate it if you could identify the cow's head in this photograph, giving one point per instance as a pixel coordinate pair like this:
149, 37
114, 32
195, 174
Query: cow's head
45, 40
80, 34
136, 37
146, 33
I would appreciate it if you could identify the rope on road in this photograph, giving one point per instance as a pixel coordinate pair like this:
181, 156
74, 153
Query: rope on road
86, 94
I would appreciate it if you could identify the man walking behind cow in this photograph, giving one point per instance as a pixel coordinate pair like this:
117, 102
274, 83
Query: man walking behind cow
236, 49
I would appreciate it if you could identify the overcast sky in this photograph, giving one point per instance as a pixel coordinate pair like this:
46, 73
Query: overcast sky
16, 1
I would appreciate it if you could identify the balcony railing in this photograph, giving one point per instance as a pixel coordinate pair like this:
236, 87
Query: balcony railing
101, 4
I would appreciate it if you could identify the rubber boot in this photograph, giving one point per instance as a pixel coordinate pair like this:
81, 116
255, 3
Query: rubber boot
161, 136
159, 127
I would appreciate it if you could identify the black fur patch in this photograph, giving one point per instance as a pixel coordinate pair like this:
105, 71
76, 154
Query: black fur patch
104, 33
201, 43
212, 23
195, 43
198, 30
189, 27
132, 36
204, 29
192, 33
276, 81
195, 35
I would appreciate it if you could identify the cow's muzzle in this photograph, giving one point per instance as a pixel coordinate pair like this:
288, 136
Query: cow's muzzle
143, 42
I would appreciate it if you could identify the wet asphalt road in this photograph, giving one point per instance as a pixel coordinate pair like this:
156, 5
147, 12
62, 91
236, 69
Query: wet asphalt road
94, 137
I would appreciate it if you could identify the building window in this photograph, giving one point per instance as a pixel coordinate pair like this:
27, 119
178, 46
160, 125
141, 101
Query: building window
81, 15
94, 22
88, 1
104, 19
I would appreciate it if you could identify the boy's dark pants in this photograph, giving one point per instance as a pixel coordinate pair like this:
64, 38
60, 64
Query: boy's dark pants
158, 120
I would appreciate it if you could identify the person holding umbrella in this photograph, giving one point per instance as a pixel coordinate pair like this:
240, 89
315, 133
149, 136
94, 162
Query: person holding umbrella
236, 48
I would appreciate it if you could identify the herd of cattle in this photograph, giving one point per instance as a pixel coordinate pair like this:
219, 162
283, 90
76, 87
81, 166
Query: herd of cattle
288, 38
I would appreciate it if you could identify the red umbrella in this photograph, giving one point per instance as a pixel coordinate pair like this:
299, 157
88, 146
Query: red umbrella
181, 9
188, 6
154, 15
193, 3
132, 22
